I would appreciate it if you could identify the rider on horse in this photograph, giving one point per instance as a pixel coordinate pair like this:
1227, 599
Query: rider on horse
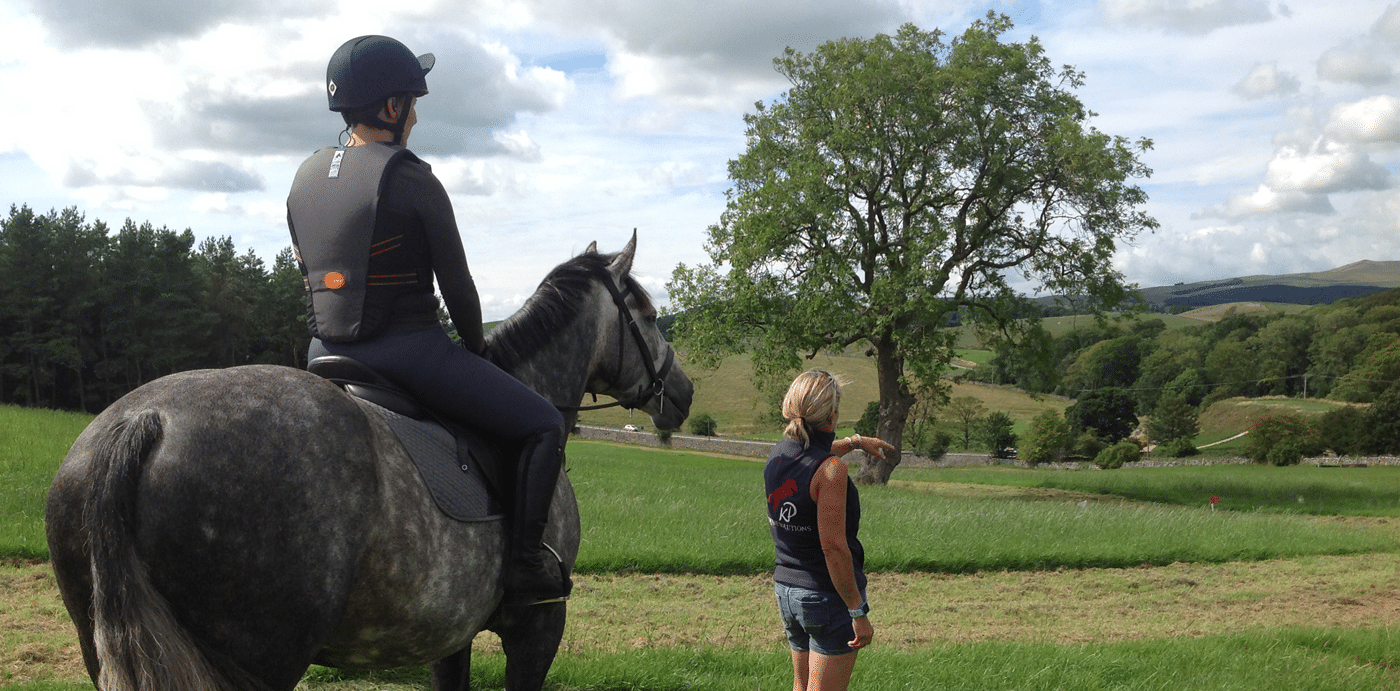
372, 226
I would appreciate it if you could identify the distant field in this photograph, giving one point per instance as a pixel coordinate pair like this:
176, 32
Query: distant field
1234, 415
729, 395
1215, 313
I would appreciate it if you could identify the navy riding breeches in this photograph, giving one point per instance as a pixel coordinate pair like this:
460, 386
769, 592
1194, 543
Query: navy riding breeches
453, 381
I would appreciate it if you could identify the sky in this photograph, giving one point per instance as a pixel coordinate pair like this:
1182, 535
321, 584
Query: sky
556, 123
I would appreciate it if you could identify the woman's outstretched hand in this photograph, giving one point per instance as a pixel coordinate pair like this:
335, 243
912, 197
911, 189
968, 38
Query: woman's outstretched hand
874, 446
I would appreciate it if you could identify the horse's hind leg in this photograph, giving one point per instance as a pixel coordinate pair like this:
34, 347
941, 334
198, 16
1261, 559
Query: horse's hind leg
454, 672
530, 637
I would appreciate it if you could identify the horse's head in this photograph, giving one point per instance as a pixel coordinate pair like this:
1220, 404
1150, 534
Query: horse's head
591, 328
643, 374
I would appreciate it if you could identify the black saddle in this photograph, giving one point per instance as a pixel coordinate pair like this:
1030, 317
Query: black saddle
461, 467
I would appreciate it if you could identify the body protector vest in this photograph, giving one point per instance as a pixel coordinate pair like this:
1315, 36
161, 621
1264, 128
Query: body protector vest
356, 258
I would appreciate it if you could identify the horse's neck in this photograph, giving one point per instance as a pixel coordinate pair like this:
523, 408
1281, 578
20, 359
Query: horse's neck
559, 372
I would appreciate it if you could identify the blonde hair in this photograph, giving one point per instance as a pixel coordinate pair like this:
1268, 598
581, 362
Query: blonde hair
813, 397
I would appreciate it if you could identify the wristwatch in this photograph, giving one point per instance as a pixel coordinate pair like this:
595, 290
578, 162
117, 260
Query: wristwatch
859, 612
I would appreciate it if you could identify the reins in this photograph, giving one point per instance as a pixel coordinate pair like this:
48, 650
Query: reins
646, 392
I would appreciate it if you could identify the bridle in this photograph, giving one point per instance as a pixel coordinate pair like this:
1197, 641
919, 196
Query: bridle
657, 385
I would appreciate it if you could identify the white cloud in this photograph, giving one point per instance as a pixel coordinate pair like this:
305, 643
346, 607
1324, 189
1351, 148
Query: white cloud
1265, 79
1325, 168
131, 23
1265, 200
1374, 120
1186, 16
557, 122
713, 55
1387, 29
1357, 64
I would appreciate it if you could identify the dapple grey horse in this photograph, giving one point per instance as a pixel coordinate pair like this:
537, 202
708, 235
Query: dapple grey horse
225, 529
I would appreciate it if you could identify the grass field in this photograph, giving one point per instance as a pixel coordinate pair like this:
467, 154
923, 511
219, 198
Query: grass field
982, 578
32, 444
923, 529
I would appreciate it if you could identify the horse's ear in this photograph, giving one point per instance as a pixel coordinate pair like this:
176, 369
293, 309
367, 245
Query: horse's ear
592, 248
622, 264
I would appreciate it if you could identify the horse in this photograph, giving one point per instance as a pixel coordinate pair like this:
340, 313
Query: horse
223, 530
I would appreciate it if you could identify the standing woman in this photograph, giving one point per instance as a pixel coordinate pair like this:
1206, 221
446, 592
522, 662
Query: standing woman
814, 515
372, 227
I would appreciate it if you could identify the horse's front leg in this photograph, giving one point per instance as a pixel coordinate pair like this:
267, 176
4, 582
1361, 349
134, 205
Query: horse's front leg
454, 672
530, 638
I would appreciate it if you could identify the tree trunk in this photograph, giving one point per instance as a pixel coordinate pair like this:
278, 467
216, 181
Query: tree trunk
895, 403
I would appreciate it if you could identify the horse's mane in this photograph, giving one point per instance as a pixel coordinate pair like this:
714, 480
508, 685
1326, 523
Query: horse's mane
553, 307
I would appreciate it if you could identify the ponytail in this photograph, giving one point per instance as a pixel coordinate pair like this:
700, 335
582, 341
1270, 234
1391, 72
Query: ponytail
797, 429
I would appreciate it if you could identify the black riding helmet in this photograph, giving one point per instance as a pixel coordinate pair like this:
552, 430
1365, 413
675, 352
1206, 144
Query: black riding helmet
369, 69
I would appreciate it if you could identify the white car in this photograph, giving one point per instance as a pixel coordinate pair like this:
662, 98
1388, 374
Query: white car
631, 428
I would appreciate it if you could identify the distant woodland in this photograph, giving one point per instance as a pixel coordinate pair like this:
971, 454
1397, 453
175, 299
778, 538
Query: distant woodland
1348, 350
88, 313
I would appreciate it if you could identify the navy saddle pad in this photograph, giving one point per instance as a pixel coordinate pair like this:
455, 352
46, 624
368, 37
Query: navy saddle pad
457, 465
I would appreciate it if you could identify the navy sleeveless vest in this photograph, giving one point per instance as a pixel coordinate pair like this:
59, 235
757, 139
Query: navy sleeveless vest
792, 515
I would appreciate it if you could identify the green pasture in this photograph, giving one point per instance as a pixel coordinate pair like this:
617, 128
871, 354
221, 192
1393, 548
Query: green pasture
671, 512
663, 511
651, 511
32, 444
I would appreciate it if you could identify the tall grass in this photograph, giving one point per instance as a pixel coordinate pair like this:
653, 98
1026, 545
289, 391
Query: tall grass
660, 511
1299, 489
32, 445
670, 512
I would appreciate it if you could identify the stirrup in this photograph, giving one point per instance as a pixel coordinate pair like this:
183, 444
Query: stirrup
564, 579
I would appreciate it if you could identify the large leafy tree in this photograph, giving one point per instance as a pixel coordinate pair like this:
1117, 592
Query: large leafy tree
1111, 412
900, 181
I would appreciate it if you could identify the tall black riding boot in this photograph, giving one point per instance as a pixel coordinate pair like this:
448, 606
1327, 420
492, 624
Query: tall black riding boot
532, 577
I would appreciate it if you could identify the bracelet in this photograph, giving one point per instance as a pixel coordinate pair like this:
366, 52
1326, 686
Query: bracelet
859, 612
855, 439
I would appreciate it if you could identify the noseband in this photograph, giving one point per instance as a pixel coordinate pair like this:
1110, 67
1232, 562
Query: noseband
657, 385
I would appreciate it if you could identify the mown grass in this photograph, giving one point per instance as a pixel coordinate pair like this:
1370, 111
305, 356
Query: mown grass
1324, 660
1269, 660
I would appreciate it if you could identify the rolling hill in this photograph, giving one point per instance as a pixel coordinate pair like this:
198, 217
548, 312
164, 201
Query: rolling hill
1359, 278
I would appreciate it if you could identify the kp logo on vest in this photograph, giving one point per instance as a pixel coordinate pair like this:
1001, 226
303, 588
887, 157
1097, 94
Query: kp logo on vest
787, 511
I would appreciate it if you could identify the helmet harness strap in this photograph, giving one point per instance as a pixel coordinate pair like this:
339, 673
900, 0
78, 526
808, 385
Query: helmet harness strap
398, 127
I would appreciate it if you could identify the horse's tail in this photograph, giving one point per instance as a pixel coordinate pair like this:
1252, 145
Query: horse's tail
140, 644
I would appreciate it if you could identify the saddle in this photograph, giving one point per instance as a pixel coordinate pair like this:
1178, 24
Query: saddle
461, 467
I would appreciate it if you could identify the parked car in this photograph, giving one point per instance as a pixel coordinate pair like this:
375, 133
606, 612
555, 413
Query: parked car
631, 428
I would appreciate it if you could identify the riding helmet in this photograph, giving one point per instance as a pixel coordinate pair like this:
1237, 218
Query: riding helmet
371, 68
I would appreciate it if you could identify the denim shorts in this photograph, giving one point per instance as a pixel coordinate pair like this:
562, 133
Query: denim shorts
815, 620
